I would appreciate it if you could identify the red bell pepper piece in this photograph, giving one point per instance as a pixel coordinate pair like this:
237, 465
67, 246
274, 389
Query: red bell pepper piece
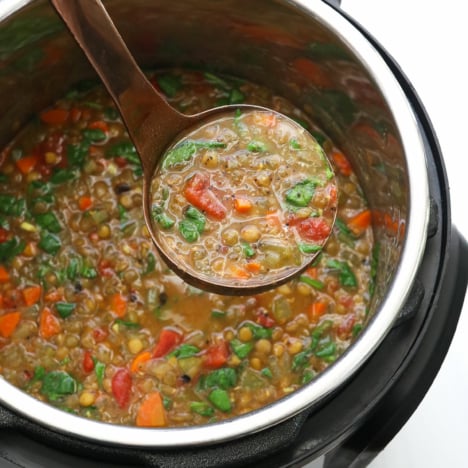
168, 340
88, 363
122, 386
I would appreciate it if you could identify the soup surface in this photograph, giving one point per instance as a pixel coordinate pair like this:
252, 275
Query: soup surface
92, 322
247, 195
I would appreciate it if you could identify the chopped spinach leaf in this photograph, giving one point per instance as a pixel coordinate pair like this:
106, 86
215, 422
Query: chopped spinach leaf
301, 194
57, 384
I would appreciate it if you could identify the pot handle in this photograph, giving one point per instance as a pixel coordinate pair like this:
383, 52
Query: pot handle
7, 419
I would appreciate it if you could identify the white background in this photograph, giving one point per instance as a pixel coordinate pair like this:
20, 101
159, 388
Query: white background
429, 39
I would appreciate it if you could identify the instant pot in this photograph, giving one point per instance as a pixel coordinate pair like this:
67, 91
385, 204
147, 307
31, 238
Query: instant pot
359, 96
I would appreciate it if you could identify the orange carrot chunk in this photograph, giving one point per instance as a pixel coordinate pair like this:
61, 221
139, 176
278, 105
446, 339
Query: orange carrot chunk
4, 275
85, 203
54, 116
27, 164
360, 222
32, 294
119, 305
49, 324
316, 310
139, 360
8, 323
242, 205
151, 412
342, 163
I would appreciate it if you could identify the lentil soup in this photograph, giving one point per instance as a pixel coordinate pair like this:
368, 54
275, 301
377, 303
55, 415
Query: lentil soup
92, 322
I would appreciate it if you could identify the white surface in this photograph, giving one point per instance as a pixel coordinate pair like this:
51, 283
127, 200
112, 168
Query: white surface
429, 40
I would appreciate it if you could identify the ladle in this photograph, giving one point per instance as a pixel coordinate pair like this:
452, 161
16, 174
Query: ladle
153, 125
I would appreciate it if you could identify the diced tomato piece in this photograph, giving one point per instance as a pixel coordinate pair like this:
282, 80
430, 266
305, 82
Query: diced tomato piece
121, 162
312, 229
216, 355
99, 334
4, 235
345, 328
88, 363
264, 319
198, 193
99, 125
54, 116
168, 340
121, 387
105, 268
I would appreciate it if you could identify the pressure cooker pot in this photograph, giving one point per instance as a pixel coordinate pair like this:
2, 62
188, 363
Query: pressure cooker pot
304, 51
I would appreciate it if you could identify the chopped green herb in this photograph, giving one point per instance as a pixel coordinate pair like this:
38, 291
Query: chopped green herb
65, 309
12, 206
94, 135
169, 84
240, 349
357, 328
63, 175
301, 194
77, 153
189, 230
162, 218
127, 323
184, 151
216, 313
220, 399
203, 409
126, 150
247, 249
309, 248
315, 283
11, 248
57, 384
260, 332
184, 351
100, 371
49, 222
346, 276
236, 97
256, 146
267, 372
167, 402
293, 144
150, 263
224, 378
216, 81
50, 243
307, 376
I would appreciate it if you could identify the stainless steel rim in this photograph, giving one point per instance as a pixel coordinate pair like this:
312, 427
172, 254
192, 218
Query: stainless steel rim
351, 361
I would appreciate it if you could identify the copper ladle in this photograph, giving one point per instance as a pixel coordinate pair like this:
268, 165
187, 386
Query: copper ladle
152, 123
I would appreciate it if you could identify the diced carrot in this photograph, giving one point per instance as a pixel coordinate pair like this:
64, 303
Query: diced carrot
242, 205
8, 323
312, 72
28, 163
139, 360
75, 114
273, 220
4, 235
119, 304
54, 116
316, 310
4, 275
99, 125
266, 119
1, 301
85, 203
360, 222
151, 412
342, 163
32, 294
49, 324
96, 151
312, 272
54, 295
253, 267
239, 272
